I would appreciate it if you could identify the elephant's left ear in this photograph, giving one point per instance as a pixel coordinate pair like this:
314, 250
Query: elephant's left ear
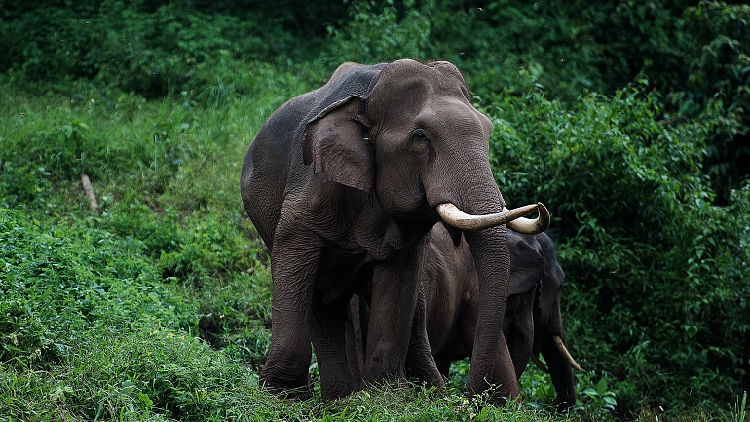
335, 144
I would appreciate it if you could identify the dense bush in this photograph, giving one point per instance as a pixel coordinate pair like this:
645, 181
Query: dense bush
718, 87
58, 282
153, 50
157, 101
656, 276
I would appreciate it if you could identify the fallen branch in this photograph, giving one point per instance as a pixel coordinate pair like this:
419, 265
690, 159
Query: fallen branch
90, 192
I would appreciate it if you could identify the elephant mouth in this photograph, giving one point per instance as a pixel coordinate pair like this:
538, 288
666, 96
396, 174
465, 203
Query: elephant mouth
460, 220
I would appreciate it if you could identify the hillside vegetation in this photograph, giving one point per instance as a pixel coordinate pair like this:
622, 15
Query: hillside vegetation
628, 120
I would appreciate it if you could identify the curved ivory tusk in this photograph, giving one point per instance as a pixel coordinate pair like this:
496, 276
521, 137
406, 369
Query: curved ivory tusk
538, 363
531, 225
468, 222
564, 350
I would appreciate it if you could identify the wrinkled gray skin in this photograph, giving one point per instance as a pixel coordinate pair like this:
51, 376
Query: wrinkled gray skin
342, 185
532, 315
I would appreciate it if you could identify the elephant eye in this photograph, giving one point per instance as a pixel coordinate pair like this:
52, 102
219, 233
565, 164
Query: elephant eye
420, 143
420, 135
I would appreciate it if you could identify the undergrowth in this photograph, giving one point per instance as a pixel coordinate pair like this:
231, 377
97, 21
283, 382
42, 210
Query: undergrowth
158, 307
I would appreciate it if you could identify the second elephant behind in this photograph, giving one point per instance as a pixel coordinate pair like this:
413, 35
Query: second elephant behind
532, 323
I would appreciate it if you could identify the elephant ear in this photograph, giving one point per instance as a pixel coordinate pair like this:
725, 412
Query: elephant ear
526, 263
335, 143
549, 295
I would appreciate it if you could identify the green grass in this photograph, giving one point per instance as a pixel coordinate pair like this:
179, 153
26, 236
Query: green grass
100, 313
91, 331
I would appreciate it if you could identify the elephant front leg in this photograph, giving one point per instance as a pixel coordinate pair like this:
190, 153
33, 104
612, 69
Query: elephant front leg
293, 268
395, 289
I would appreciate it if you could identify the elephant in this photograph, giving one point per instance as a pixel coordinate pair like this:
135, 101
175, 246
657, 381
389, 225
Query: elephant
343, 184
532, 322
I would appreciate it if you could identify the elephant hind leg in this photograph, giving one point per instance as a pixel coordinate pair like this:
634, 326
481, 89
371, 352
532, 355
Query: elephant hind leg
419, 357
329, 339
504, 376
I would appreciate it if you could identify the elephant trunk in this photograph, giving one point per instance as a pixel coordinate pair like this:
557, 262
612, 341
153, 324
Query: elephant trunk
560, 370
490, 251
469, 222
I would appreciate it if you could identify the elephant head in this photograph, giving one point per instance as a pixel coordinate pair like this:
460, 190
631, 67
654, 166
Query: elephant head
344, 182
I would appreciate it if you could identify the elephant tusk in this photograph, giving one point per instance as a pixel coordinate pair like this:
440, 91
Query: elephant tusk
538, 363
531, 225
564, 350
469, 222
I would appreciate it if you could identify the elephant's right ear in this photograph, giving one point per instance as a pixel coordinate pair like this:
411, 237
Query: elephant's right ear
335, 144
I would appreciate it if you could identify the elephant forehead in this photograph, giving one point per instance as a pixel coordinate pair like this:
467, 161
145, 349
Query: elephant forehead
451, 114
412, 82
399, 96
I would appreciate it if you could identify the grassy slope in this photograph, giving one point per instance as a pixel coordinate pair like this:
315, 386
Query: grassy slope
99, 313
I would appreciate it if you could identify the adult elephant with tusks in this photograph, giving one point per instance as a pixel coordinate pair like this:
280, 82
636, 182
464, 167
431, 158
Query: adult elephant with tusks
343, 183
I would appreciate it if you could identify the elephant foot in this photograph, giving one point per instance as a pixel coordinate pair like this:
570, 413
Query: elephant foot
290, 388
426, 374
566, 405
336, 392
335, 386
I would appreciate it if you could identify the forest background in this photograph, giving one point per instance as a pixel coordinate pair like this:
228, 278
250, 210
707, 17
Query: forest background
628, 119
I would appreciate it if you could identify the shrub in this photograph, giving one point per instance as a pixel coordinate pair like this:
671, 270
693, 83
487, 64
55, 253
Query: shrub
656, 275
58, 281
151, 51
719, 89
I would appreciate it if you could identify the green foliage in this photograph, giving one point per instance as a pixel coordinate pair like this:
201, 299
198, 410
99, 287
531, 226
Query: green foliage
123, 45
22, 185
58, 281
600, 400
653, 269
376, 33
112, 136
64, 151
719, 89
157, 101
